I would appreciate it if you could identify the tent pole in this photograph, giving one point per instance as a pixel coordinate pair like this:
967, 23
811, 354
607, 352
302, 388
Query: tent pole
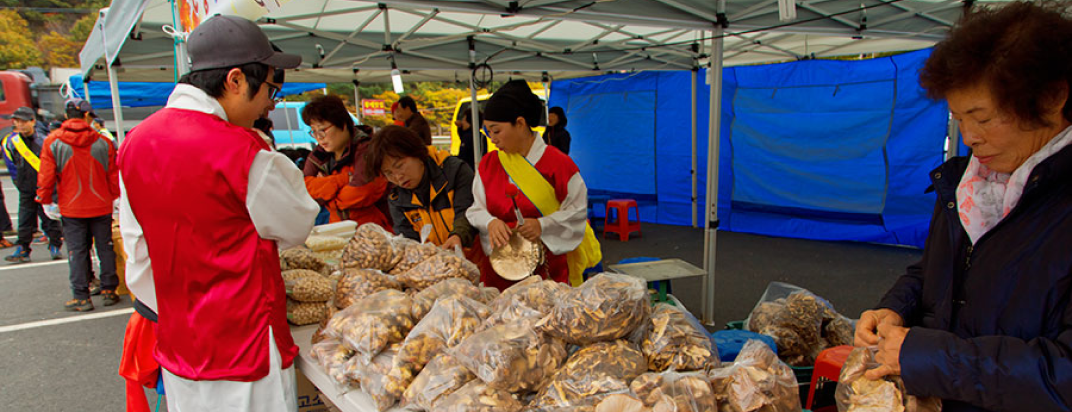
692, 170
117, 108
714, 124
474, 105
952, 149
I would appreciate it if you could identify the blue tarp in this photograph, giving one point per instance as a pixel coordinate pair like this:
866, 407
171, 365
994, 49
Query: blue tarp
148, 94
831, 150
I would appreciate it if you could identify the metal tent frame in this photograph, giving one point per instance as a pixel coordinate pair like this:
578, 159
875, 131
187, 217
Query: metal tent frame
361, 41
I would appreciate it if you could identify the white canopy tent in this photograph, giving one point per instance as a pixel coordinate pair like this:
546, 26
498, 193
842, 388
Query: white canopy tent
357, 40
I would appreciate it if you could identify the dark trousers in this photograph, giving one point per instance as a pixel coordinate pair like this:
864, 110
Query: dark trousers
81, 233
5, 218
29, 212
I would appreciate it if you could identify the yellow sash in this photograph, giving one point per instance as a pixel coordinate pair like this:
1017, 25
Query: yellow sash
542, 194
23, 150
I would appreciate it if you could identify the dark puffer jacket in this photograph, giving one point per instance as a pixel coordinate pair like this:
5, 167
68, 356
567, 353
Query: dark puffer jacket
991, 324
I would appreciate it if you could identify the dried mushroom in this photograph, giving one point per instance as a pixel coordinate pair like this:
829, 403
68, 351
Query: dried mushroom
437, 268
689, 392
440, 378
333, 356
756, 382
375, 382
373, 323
423, 300
356, 284
591, 374
411, 253
856, 393
675, 340
606, 307
535, 293
452, 319
476, 396
513, 357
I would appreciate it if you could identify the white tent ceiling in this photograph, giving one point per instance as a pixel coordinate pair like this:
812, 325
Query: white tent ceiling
568, 38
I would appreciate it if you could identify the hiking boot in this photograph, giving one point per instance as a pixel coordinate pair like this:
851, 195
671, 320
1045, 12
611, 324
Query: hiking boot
55, 251
110, 297
21, 255
94, 287
78, 305
43, 240
4, 243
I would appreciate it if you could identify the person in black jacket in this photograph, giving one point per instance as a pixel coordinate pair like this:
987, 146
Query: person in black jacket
557, 135
984, 320
431, 187
24, 150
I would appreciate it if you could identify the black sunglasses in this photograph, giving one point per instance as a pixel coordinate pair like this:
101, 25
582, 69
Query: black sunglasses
273, 91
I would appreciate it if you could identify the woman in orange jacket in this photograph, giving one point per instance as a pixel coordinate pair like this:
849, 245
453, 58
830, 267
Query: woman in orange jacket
334, 171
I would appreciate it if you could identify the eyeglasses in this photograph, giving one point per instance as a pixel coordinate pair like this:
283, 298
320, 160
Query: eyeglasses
273, 91
320, 133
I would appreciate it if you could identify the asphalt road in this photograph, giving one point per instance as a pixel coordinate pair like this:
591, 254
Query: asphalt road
71, 366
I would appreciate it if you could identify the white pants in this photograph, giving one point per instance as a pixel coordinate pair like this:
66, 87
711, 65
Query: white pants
276, 392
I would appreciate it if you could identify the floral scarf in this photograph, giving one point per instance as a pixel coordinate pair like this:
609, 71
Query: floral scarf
985, 197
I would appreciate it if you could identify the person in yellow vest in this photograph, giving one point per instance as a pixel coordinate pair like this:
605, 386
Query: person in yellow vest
431, 187
23, 147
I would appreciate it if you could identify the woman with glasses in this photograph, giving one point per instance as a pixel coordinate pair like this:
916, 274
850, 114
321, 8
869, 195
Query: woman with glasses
431, 187
334, 172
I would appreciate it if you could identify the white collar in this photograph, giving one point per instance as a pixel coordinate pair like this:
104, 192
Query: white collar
537, 149
189, 97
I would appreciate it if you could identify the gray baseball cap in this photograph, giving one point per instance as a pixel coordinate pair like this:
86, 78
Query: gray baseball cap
22, 113
229, 41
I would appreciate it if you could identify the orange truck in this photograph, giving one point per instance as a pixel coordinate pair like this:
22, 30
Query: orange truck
30, 88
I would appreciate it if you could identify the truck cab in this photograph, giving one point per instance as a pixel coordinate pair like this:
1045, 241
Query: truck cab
14, 93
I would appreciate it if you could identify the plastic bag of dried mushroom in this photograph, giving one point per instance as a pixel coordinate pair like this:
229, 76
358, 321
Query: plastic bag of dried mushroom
757, 381
423, 300
534, 292
607, 306
452, 319
411, 253
332, 356
477, 396
374, 381
442, 266
372, 247
356, 284
591, 374
855, 393
689, 391
513, 357
300, 258
372, 324
675, 340
440, 378
801, 323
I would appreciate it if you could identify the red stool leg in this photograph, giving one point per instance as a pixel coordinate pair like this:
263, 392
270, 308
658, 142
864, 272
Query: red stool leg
606, 218
623, 223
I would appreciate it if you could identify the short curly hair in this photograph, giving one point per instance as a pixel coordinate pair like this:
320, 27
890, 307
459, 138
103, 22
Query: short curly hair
328, 108
1021, 52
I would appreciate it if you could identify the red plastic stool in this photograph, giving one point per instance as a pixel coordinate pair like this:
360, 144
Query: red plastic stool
828, 368
622, 226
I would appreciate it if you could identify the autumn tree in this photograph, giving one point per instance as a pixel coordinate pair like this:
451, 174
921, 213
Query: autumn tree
17, 48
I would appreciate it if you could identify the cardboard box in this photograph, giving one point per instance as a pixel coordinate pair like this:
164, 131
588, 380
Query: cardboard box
309, 398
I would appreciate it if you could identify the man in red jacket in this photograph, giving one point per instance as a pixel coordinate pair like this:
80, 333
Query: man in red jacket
81, 163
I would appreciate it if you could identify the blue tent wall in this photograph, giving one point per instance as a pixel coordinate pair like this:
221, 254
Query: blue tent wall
148, 94
832, 150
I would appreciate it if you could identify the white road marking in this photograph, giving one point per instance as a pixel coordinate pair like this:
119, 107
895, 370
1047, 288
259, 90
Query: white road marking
13, 266
61, 321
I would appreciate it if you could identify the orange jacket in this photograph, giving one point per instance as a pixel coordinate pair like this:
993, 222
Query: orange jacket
341, 185
83, 163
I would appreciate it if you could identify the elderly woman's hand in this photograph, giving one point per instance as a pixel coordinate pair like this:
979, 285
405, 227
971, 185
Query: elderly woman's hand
889, 351
870, 322
531, 230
